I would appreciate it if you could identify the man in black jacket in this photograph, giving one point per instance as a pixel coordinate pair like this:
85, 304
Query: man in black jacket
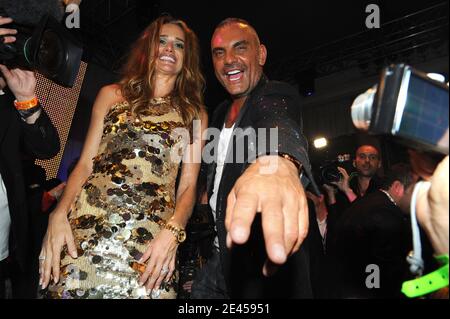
24, 128
372, 239
367, 162
249, 173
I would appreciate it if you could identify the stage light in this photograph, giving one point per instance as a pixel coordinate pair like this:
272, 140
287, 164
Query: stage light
320, 142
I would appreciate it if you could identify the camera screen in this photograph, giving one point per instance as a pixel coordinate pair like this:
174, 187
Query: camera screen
425, 116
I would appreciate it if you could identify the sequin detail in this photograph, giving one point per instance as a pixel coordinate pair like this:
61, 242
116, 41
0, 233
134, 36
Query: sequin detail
113, 218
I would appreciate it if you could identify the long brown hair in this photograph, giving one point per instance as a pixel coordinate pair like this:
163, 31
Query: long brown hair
137, 85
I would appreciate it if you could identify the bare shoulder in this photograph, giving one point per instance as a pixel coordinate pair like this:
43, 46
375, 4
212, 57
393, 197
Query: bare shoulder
110, 92
111, 89
107, 96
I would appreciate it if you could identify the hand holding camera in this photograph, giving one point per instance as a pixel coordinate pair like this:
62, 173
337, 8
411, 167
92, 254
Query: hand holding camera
46, 47
343, 183
22, 83
7, 34
5, 37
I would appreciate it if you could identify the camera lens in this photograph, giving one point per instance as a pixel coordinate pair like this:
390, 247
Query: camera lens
362, 109
50, 54
331, 174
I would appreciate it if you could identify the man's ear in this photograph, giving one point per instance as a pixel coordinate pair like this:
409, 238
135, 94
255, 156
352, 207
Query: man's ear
398, 189
262, 54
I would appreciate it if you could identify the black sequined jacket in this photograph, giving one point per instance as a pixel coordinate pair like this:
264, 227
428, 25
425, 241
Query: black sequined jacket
270, 105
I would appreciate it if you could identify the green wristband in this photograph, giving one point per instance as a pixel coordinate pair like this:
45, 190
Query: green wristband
429, 283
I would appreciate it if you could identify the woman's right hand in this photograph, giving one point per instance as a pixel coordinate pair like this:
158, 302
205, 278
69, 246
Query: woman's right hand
58, 234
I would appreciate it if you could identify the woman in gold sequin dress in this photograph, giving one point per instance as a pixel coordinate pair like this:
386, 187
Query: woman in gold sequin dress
116, 229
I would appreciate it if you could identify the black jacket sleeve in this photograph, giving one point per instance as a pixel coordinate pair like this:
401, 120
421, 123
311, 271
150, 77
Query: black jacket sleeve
41, 139
278, 106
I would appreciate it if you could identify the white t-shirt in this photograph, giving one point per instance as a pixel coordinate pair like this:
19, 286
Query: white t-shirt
5, 221
224, 141
322, 227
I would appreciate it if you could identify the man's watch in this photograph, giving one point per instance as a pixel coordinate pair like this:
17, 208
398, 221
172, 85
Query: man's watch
292, 160
179, 233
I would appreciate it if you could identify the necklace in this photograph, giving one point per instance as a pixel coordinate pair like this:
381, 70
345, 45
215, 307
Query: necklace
389, 196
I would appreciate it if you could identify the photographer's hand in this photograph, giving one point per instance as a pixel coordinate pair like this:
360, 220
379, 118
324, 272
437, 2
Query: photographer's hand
5, 33
5, 37
344, 186
22, 83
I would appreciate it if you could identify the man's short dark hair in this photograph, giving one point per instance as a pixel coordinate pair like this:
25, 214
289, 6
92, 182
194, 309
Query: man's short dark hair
368, 144
228, 21
399, 172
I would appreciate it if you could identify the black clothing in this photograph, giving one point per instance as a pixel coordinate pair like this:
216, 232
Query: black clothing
270, 105
373, 231
39, 140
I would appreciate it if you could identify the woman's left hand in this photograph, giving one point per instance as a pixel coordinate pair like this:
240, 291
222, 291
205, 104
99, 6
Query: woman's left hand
161, 254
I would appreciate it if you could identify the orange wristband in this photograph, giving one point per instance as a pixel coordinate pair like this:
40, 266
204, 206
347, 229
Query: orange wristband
26, 105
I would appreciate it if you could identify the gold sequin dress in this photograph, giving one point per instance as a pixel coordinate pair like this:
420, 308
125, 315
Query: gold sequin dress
115, 216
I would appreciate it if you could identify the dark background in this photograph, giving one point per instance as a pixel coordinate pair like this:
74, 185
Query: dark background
289, 28
323, 48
